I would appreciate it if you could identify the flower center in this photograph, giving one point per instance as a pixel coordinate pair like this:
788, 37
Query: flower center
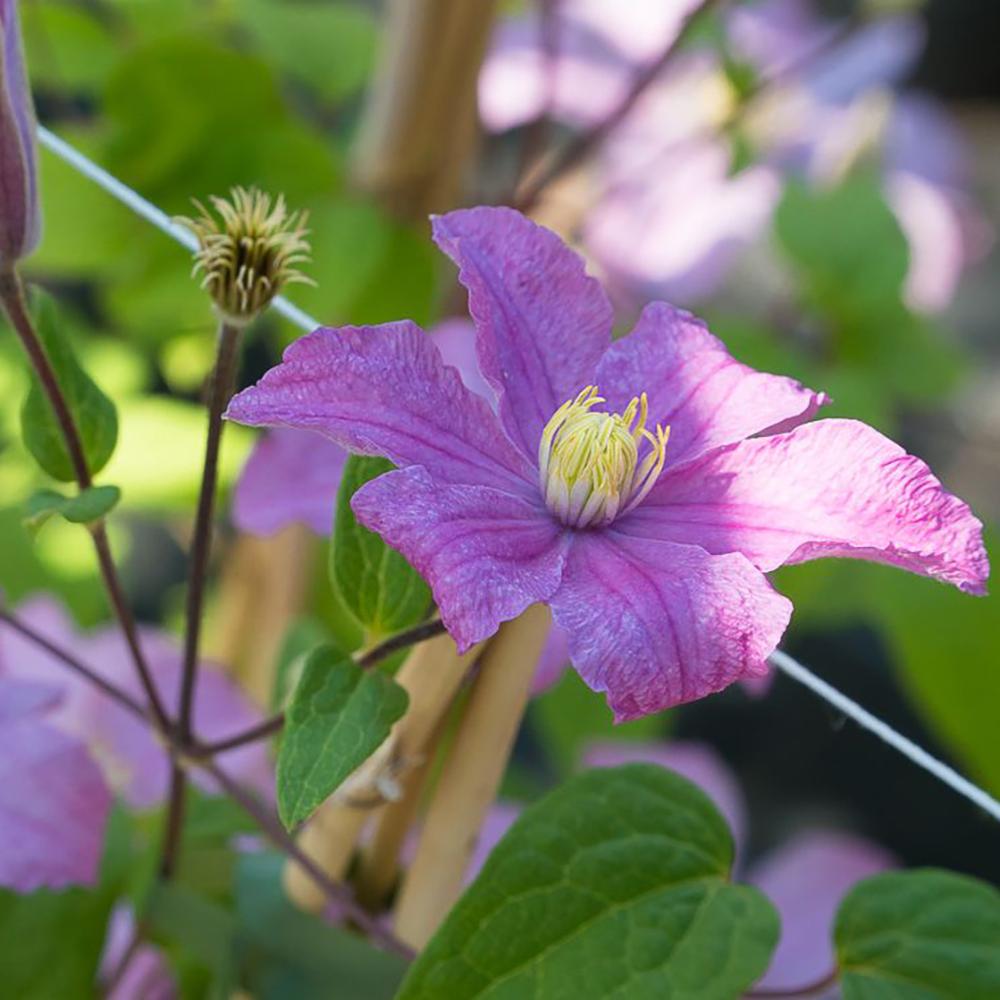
596, 466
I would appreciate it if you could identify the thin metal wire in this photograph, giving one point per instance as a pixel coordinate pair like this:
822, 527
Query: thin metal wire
885, 732
781, 661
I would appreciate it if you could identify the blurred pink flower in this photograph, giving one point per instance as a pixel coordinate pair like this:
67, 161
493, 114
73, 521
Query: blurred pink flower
805, 878
147, 976
49, 784
670, 218
134, 763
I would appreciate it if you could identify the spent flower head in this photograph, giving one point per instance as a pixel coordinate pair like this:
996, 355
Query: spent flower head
248, 251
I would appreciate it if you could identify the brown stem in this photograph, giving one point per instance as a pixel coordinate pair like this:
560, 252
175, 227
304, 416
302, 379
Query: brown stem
586, 142
173, 827
261, 731
69, 660
223, 379
336, 892
12, 298
408, 637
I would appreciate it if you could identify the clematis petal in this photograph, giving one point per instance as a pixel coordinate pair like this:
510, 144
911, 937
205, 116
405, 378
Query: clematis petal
698, 762
487, 555
706, 396
542, 323
384, 390
291, 476
656, 624
48, 784
831, 488
806, 879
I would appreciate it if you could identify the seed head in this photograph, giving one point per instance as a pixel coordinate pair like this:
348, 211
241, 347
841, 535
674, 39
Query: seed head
248, 251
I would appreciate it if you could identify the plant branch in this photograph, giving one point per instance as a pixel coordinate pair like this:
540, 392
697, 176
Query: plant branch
585, 143
337, 892
223, 379
12, 298
69, 660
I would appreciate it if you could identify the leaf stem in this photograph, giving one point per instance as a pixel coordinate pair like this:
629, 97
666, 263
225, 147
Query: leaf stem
12, 299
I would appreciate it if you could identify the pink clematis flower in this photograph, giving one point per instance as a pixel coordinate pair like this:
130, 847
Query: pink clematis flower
645, 516
806, 878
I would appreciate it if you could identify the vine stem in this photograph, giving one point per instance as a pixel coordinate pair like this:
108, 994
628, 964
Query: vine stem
586, 142
12, 298
220, 390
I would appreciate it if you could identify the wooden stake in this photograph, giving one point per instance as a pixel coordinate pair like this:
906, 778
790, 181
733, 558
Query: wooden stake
430, 676
419, 128
468, 784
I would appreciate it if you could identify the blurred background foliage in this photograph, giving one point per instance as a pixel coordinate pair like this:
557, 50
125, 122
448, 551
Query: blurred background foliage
184, 99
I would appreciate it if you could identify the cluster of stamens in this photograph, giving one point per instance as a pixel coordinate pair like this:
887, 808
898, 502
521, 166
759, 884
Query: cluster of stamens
596, 466
249, 253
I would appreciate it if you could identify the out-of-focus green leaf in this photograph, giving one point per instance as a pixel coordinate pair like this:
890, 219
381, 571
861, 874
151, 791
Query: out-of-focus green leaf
339, 715
302, 636
615, 885
376, 583
94, 414
69, 47
201, 927
945, 645
284, 952
329, 46
90, 505
920, 935
153, 463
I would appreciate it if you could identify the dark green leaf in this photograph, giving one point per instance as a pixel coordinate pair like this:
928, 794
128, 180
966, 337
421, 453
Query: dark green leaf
614, 886
284, 952
84, 508
201, 927
376, 583
338, 716
920, 935
95, 415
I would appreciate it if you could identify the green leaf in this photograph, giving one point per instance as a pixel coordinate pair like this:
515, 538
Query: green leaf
338, 717
614, 886
376, 583
200, 926
329, 46
95, 415
84, 508
920, 935
945, 645
284, 952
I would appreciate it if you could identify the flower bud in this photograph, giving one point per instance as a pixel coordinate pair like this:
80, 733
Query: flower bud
20, 222
248, 253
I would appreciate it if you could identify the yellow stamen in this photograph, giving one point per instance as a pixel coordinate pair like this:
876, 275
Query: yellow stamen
589, 462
